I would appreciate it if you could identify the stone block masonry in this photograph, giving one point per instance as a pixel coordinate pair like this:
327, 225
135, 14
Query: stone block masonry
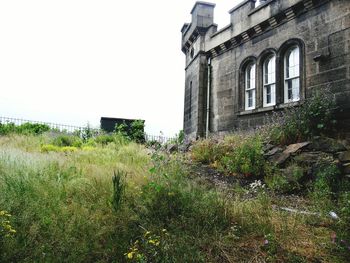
269, 57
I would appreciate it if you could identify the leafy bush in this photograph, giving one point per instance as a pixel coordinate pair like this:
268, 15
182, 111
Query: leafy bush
49, 148
122, 129
104, 139
25, 128
286, 181
32, 128
53, 148
67, 140
69, 149
247, 158
207, 151
137, 132
313, 117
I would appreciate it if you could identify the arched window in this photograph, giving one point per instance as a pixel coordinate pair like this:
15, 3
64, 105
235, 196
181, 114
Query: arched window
269, 81
292, 74
250, 87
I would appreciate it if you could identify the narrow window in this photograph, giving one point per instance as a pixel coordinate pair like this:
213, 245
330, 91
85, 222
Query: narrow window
269, 79
250, 87
292, 75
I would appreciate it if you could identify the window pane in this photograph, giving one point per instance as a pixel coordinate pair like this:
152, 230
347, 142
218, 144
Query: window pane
266, 72
292, 72
273, 94
290, 89
250, 99
250, 87
252, 77
269, 70
296, 88
268, 94
272, 70
292, 63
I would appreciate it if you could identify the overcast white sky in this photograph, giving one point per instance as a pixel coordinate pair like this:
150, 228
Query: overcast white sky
73, 61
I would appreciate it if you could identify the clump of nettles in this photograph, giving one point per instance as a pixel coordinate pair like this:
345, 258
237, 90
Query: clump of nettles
315, 116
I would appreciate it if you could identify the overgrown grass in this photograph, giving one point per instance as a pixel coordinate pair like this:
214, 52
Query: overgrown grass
66, 208
236, 154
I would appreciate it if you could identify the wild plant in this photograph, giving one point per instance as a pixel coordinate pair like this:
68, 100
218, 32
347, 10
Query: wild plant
118, 189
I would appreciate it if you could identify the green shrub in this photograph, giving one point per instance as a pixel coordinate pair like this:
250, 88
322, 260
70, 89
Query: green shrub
25, 128
277, 182
313, 117
134, 132
104, 139
326, 185
87, 133
207, 151
137, 132
69, 149
247, 158
49, 148
122, 130
32, 128
7, 128
287, 181
67, 140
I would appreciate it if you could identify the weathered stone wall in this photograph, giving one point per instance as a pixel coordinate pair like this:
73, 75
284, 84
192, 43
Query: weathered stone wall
318, 27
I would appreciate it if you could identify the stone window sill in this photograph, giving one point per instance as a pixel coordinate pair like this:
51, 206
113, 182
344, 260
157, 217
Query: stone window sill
270, 108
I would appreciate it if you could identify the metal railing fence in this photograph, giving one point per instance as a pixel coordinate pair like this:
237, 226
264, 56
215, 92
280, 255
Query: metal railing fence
64, 128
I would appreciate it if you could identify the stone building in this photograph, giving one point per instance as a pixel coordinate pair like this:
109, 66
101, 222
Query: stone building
271, 56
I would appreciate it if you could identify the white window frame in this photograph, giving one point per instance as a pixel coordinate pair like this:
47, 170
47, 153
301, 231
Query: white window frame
293, 54
269, 80
250, 86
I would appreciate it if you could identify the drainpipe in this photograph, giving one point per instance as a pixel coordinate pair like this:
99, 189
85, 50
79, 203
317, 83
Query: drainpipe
208, 98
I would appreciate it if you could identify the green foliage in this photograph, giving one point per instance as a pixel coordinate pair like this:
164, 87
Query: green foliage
343, 225
234, 155
134, 133
137, 132
247, 158
278, 183
6, 229
122, 129
287, 181
150, 247
326, 185
180, 137
118, 189
65, 208
7, 128
67, 140
207, 151
313, 117
50, 148
104, 139
87, 133
25, 128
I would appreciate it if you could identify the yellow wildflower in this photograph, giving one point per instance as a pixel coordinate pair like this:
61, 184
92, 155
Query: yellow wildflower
130, 255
